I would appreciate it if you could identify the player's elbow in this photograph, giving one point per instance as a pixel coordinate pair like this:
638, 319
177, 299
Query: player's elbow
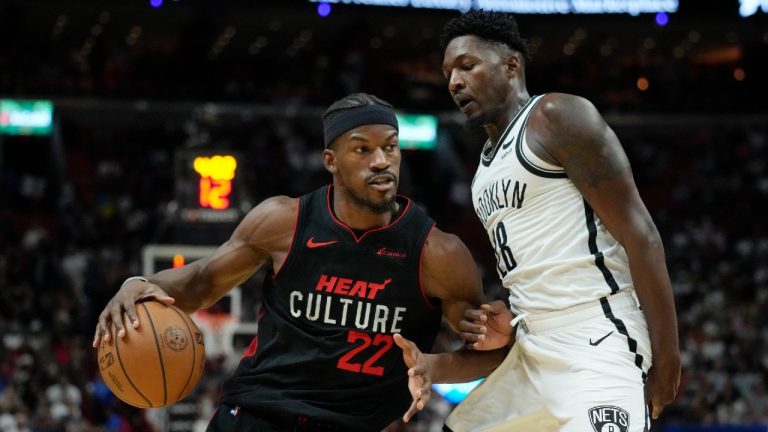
644, 237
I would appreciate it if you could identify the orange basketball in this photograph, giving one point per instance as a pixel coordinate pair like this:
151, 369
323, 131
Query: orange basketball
159, 363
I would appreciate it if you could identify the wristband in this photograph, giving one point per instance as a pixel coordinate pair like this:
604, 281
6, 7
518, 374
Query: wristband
139, 278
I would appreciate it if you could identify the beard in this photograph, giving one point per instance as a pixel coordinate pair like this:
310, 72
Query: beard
474, 123
378, 207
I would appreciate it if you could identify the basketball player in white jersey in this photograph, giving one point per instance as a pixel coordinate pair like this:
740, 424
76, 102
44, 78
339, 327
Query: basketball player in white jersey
594, 328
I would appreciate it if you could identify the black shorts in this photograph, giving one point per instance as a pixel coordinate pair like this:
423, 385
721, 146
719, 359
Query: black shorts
234, 419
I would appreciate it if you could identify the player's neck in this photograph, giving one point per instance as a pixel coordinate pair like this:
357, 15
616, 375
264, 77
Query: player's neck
516, 102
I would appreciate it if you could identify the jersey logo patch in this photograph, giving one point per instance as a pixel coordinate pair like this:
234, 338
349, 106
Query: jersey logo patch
312, 244
390, 253
608, 418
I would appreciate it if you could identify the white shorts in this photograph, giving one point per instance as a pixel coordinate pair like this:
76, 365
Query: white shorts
581, 369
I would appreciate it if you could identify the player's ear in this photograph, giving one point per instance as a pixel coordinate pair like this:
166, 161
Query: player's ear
329, 160
514, 65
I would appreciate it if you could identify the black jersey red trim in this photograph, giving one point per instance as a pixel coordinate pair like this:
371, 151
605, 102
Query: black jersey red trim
421, 270
351, 231
275, 271
324, 347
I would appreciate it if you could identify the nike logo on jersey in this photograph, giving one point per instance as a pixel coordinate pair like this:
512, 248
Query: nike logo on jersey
312, 244
597, 342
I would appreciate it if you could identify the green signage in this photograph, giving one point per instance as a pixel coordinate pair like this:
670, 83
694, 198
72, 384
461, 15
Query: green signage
26, 117
417, 131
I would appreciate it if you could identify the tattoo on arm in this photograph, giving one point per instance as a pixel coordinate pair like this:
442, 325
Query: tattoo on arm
590, 150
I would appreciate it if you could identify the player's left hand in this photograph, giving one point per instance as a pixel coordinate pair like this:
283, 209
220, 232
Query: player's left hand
487, 328
662, 384
419, 375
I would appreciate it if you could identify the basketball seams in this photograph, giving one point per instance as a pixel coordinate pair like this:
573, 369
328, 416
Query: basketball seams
159, 353
194, 352
125, 372
170, 346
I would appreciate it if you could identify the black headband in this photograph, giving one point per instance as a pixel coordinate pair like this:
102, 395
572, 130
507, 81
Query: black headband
358, 116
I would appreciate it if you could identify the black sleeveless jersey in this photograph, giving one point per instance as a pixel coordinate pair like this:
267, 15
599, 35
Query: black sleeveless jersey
324, 349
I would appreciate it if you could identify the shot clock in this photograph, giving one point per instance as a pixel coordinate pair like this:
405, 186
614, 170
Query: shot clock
208, 186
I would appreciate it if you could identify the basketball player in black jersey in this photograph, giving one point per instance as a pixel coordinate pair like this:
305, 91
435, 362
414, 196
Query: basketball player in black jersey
351, 265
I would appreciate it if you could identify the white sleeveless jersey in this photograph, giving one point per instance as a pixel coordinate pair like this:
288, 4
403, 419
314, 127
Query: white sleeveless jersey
552, 251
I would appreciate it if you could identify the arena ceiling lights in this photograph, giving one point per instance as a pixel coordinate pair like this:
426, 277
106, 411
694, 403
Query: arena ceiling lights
632, 7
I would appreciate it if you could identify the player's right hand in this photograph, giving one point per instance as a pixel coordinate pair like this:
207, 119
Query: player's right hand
487, 328
419, 375
123, 305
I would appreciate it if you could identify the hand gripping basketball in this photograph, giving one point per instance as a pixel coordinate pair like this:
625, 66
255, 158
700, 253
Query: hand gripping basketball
123, 305
157, 364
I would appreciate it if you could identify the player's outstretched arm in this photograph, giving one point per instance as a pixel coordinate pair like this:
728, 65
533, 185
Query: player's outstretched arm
449, 273
265, 233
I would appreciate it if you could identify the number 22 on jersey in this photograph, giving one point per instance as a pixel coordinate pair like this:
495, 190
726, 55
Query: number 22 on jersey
351, 361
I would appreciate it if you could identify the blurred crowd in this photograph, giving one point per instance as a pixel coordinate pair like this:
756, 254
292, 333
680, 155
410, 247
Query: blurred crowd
273, 52
76, 208
72, 227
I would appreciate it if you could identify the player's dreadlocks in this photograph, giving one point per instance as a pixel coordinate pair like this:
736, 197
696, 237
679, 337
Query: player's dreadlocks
493, 26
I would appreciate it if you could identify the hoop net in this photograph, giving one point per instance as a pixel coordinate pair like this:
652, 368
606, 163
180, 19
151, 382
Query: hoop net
218, 329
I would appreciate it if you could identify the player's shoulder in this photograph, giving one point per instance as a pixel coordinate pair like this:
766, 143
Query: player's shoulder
441, 245
278, 203
448, 269
562, 119
557, 108
274, 211
269, 226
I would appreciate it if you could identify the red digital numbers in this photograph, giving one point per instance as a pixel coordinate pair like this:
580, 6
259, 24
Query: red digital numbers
216, 175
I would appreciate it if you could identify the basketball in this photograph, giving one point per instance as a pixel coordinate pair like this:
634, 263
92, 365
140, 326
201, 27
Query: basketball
159, 363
